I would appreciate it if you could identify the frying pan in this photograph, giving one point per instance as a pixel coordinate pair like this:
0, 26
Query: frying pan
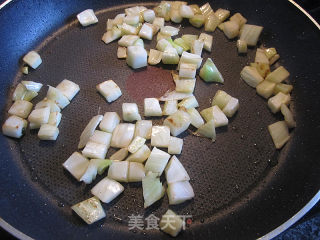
244, 188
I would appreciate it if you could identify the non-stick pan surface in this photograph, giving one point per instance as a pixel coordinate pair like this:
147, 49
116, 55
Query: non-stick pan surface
243, 187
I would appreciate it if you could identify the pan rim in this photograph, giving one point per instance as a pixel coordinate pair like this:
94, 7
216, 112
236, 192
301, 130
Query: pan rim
273, 233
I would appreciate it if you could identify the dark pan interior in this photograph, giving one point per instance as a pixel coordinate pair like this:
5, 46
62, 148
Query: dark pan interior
243, 187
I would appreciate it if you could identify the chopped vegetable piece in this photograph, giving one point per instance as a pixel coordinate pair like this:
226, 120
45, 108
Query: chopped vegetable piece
136, 172
160, 136
152, 107
279, 133
197, 47
55, 118
39, 116
32, 86
109, 121
197, 20
131, 19
270, 52
157, 161
231, 29
111, 35
33, 59
130, 112
281, 87
288, 117
238, 18
162, 45
107, 190
143, 129
190, 58
251, 76
175, 172
265, 88
137, 10
206, 10
21, 108
222, 14
171, 223
161, 36
25, 70
188, 39
250, 34
170, 107
274, 59
101, 137
89, 130
87, 17
174, 95
127, 40
137, 57
242, 46
208, 130
278, 75
146, 32
68, 88
175, 15
141, 155
58, 97
195, 117
186, 11
77, 165
207, 41
231, 107
122, 52
139, 42
19, 92
185, 85
14, 127
136, 144
118, 171
110, 90
175, 145
30, 95
122, 135
155, 57
163, 10
170, 56
195, 8
158, 21
34, 125
210, 73
169, 30
179, 192
275, 102
262, 68
189, 102
211, 23
175, 46
48, 103
149, 15
261, 57
152, 189
95, 150
95, 166
177, 122
120, 155
221, 98
127, 29
187, 70
216, 114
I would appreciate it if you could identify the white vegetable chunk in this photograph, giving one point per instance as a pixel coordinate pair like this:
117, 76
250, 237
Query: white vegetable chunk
276, 101
146, 32
195, 117
157, 161
32, 86
48, 132
251, 76
170, 107
179, 192
177, 122
216, 114
279, 133
34, 125
14, 127
231, 107
155, 57
169, 30
163, 44
130, 112
190, 58
118, 171
131, 19
21, 108
101, 137
95, 166
141, 155
127, 40
33, 59
89, 210
158, 21
189, 102
136, 144
170, 56
242, 46
278, 75
89, 130
19, 93
137, 57
261, 57
186, 11
160, 136
207, 41
149, 15
208, 130
87, 17
122, 52
197, 46
39, 116
174, 95
107, 190
109, 121
175, 145
171, 223
58, 97
250, 34
95, 150
76, 164
110, 90
185, 85
175, 172
187, 70
68, 88
152, 107
55, 118
119, 155
221, 99
111, 35
122, 135
136, 172
143, 129
231, 29
288, 116
152, 189
48, 103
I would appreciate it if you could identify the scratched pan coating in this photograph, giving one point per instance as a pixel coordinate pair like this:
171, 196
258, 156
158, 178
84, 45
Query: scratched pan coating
243, 187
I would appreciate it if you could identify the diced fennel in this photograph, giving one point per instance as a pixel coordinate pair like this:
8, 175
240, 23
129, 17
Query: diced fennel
111, 35
160, 136
274, 59
130, 112
89, 210
55, 118
275, 102
179, 192
19, 92
131, 19
158, 21
238, 18
14, 127
162, 36
146, 32
265, 88
101, 137
211, 23
118, 171
89, 130
206, 9
127, 29
136, 172
87, 17
141, 155
68, 88
261, 57
186, 11
48, 103
162, 44
195, 117
58, 97
251, 76
33, 59
175, 172
149, 15
30, 95
21, 108
216, 114
195, 8
95, 166
152, 189
210, 73
175, 226
152, 107
136, 144
176, 46
109, 121
39, 116
278, 75
279, 133
270, 52
137, 57
288, 116
157, 161
189, 102
231, 107
175, 145
110, 90
163, 10
122, 52
25, 70
178, 122
207, 130
95, 150
155, 57
188, 39
250, 34
187, 70
127, 40
281, 87
196, 47
170, 107
197, 20
122, 135
169, 30
120, 155
242, 46
262, 68
143, 129
32, 86
190, 58
107, 190
221, 98
231, 29
174, 95
77, 165
207, 41
175, 16
222, 14
170, 56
